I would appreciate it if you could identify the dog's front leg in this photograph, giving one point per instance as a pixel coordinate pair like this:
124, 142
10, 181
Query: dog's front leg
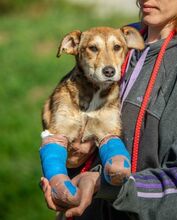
53, 155
106, 127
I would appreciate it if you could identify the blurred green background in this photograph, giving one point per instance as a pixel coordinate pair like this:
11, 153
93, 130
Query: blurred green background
30, 32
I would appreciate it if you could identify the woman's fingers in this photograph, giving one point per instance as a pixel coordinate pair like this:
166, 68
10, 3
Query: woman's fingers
47, 194
77, 178
88, 183
87, 190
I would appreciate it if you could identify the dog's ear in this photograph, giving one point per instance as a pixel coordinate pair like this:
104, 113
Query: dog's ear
70, 43
133, 38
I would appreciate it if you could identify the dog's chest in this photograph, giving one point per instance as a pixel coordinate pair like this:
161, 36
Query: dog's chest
91, 104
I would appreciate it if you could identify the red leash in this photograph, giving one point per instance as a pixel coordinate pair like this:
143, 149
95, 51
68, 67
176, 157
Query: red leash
146, 99
124, 65
86, 168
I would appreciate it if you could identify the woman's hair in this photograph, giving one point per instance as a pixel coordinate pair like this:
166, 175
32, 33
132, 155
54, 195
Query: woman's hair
137, 3
140, 16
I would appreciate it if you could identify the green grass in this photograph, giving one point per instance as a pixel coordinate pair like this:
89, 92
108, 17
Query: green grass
29, 70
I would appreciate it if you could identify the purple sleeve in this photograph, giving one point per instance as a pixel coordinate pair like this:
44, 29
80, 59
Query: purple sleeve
150, 194
156, 183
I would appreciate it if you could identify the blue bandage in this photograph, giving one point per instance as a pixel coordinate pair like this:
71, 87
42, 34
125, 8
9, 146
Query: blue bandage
53, 159
113, 147
71, 188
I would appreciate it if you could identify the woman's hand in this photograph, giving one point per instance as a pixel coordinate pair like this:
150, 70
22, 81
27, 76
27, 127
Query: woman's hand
88, 183
46, 188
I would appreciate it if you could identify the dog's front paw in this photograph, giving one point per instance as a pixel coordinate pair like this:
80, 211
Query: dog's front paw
117, 170
64, 193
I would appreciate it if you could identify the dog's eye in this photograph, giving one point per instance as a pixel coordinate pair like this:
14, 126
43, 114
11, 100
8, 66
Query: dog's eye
116, 47
93, 48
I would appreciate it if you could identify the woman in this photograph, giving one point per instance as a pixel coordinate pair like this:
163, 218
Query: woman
149, 125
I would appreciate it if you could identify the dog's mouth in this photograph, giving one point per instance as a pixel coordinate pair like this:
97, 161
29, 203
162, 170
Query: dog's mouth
102, 78
102, 81
109, 80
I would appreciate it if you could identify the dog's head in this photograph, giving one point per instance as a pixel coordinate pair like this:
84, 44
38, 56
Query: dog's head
100, 52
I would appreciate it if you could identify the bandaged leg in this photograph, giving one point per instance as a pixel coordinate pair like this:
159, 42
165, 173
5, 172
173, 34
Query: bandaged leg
53, 159
116, 161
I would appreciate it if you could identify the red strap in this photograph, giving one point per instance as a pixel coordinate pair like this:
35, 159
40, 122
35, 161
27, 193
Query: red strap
146, 100
124, 65
88, 163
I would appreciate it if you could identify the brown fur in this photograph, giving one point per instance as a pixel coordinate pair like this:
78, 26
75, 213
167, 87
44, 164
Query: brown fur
85, 100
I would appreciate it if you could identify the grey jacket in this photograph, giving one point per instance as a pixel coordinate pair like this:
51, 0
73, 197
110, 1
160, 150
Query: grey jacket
151, 193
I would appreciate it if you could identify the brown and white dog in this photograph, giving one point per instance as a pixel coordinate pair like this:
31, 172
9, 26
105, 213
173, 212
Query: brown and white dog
86, 101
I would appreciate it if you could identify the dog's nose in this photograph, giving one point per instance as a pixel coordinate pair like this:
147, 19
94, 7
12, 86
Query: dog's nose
109, 71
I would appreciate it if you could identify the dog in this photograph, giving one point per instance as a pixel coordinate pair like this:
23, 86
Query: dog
86, 101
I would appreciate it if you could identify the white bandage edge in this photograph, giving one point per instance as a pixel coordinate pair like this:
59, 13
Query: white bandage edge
45, 134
